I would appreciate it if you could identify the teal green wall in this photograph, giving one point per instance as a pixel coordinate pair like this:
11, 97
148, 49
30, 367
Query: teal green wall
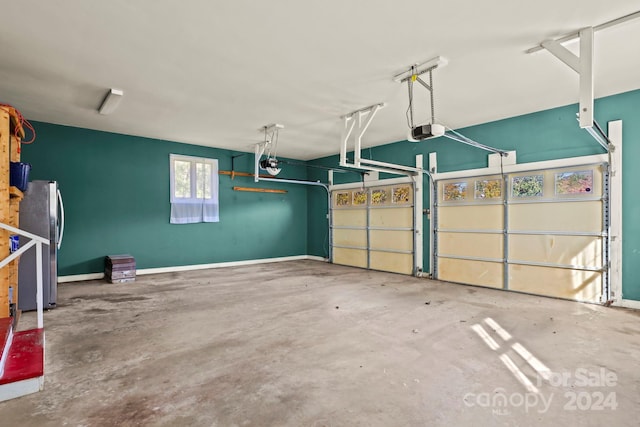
544, 135
116, 190
116, 194
318, 224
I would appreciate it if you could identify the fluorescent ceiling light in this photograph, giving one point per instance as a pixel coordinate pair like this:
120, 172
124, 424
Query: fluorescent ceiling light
111, 101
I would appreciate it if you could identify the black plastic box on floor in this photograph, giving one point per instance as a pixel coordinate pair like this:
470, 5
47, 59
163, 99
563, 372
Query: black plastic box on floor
120, 268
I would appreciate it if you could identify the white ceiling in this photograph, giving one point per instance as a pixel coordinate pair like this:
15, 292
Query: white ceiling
212, 72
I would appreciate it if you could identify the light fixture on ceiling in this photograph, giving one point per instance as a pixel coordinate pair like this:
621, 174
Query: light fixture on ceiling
111, 101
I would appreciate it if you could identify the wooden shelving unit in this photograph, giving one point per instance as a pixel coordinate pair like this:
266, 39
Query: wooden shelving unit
15, 193
10, 198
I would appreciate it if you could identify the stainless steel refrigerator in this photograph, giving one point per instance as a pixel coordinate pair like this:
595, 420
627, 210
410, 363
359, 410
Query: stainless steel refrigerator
41, 213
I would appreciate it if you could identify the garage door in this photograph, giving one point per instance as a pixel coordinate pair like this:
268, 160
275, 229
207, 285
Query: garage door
542, 232
374, 228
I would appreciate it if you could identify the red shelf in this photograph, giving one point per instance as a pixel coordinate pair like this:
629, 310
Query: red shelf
26, 357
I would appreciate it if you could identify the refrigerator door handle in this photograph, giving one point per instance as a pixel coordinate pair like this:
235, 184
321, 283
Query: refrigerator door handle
61, 225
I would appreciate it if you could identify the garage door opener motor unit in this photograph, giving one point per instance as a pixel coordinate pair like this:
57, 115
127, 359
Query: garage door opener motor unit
411, 76
270, 145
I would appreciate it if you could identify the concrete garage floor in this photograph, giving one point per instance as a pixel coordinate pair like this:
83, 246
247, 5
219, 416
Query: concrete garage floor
311, 344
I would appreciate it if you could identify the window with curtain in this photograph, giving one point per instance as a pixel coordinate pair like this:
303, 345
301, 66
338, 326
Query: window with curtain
194, 189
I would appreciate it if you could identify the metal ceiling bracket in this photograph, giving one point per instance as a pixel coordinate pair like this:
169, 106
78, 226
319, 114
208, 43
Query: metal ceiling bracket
603, 26
412, 75
271, 133
358, 121
419, 69
258, 154
583, 65
356, 124
269, 147
349, 125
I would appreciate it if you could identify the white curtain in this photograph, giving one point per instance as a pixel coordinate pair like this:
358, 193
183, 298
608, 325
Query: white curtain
187, 213
194, 189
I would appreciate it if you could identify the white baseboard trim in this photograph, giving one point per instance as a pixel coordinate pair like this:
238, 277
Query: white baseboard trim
219, 265
80, 277
174, 269
629, 303
317, 258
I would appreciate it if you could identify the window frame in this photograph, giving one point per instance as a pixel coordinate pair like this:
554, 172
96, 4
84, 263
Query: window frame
194, 161
532, 174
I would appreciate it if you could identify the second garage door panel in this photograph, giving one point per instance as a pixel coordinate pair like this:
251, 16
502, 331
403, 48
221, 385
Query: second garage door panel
472, 217
393, 240
373, 228
479, 245
564, 250
547, 228
559, 216
391, 218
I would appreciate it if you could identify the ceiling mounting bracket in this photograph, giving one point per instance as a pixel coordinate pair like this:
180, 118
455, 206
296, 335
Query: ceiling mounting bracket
356, 124
419, 69
433, 129
583, 65
268, 146
411, 76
